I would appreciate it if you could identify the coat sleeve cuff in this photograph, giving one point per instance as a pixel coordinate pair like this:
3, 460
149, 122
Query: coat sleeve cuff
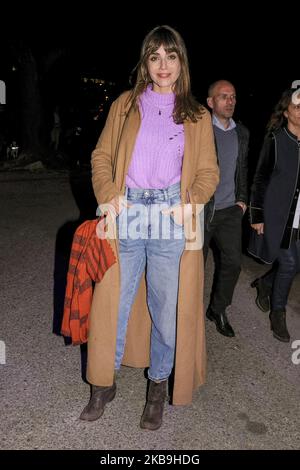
256, 214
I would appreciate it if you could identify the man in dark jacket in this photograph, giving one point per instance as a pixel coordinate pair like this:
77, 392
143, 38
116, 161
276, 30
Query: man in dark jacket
224, 213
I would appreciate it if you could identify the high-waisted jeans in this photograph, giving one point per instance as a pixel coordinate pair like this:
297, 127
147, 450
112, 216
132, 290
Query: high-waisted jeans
143, 247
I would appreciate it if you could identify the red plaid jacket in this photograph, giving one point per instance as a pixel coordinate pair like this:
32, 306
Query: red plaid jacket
90, 258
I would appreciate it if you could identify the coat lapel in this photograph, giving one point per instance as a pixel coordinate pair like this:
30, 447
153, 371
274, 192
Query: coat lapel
186, 164
125, 149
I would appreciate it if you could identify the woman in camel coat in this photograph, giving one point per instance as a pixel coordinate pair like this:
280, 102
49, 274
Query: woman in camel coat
111, 168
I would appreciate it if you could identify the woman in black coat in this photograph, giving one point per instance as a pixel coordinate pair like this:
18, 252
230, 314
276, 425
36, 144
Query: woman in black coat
274, 211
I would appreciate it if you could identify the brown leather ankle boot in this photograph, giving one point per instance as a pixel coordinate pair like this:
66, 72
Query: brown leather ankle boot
99, 398
153, 412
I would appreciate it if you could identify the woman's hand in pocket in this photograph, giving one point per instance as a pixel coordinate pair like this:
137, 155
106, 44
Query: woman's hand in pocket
180, 213
115, 206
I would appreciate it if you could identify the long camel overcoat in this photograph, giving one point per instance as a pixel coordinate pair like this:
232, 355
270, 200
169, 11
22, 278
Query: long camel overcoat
200, 176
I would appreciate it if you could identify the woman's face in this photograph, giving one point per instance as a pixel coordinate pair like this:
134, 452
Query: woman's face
164, 69
293, 114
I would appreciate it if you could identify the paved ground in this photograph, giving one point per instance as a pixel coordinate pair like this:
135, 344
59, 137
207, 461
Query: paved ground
250, 400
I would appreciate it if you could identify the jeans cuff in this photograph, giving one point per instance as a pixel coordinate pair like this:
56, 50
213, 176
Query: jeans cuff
157, 381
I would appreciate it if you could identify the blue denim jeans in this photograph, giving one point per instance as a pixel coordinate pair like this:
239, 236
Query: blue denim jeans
144, 246
280, 278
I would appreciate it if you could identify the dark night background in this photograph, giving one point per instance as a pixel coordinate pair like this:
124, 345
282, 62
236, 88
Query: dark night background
46, 54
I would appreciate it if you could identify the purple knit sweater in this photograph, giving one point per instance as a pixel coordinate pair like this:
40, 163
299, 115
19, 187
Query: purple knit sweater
157, 157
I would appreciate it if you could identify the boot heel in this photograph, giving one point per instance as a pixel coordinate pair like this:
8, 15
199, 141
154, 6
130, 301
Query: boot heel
112, 396
262, 295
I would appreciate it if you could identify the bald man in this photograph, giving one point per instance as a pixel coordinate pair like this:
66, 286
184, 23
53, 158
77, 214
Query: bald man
224, 213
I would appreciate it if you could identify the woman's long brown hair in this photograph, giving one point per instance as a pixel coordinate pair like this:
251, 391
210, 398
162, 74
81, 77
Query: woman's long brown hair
186, 107
278, 118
